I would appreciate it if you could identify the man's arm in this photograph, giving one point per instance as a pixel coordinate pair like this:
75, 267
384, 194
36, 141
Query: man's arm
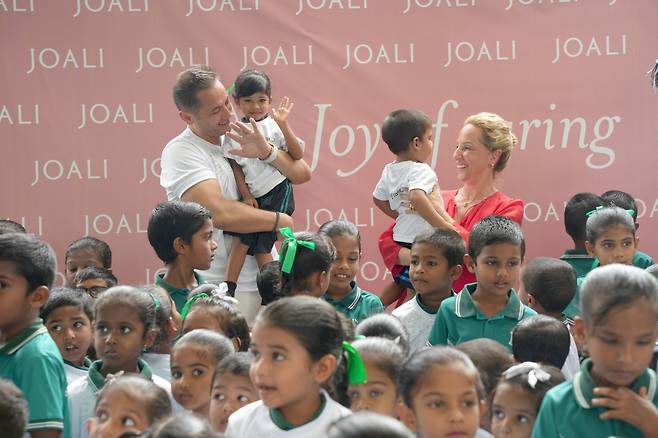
426, 210
243, 188
233, 215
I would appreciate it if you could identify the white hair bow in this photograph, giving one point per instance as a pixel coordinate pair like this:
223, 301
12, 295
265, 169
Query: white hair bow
533, 369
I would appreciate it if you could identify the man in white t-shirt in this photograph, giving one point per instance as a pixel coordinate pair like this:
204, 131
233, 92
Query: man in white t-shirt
194, 169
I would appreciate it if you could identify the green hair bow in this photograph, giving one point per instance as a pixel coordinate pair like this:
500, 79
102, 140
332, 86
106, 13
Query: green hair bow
356, 371
192, 300
291, 248
591, 212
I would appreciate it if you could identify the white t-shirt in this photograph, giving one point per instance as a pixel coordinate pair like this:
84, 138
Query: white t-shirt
160, 364
572, 363
254, 420
397, 179
260, 177
418, 323
73, 372
188, 160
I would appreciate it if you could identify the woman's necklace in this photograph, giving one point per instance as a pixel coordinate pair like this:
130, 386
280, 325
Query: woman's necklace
476, 200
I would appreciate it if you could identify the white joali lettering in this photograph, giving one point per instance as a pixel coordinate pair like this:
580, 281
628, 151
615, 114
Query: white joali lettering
150, 168
574, 47
379, 54
602, 128
49, 58
108, 224
277, 55
17, 5
222, 5
466, 51
315, 5
102, 6
157, 57
424, 4
19, 114
100, 114
359, 217
33, 225
511, 3
54, 170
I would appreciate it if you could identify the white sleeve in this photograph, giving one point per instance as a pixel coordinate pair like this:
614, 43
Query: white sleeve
381, 190
183, 166
422, 177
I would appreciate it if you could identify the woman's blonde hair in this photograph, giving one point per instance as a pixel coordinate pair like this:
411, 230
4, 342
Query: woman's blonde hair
496, 135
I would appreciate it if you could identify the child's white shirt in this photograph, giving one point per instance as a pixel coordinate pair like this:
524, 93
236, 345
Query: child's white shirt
417, 322
572, 363
160, 364
253, 420
73, 373
398, 178
260, 177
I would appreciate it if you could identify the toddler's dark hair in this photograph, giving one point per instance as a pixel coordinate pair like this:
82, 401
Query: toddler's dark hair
249, 82
401, 126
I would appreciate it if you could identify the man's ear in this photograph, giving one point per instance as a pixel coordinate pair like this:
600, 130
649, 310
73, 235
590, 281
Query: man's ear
38, 297
236, 343
324, 367
186, 116
470, 263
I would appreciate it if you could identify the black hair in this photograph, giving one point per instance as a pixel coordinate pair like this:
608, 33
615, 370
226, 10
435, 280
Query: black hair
100, 247
219, 346
156, 399
540, 388
349, 327
653, 270
236, 363
541, 338
575, 213
613, 286
449, 242
66, 296
189, 83
366, 425
401, 126
33, 258
414, 370
307, 261
385, 354
493, 230
225, 310
489, 357
93, 272
339, 228
162, 314
132, 298
268, 282
617, 198
385, 325
552, 282
9, 226
13, 410
173, 219
607, 217
249, 82
182, 425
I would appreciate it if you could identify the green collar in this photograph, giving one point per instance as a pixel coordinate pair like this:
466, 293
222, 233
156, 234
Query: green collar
349, 301
576, 254
280, 421
86, 363
583, 385
159, 280
465, 307
97, 380
23, 337
425, 308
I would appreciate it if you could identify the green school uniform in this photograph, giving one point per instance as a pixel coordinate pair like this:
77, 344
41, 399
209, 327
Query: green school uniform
459, 320
582, 262
178, 295
32, 361
573, 308
567, 410
357, 304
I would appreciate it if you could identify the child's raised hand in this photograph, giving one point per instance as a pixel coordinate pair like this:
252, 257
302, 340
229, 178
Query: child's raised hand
626, 405
281, 113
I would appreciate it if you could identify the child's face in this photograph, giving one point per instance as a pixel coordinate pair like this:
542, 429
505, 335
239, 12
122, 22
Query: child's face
18, 308
70, 328
497, 268
201, 249
615, 245
80, 259
118, 412
230, 392
119, 338
93, 286
378, 394
346, 266
424, 145
429, 270
191, 377
620, 350
513, 412
284, 373
255, 106
446, 403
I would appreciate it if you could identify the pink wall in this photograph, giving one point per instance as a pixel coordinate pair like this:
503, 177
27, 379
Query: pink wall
85, 103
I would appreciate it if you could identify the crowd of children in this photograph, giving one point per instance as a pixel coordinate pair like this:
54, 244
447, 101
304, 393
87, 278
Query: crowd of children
549, 348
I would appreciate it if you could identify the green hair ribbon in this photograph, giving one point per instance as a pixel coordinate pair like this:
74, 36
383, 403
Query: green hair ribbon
291, 248
188, 303
230, 89
156, 301
356, 371
591, 212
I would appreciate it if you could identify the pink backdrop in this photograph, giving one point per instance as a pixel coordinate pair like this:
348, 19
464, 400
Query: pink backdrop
86, 108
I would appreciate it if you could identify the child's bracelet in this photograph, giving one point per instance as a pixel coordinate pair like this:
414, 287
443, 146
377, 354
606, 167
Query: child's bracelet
276, 221
271, 156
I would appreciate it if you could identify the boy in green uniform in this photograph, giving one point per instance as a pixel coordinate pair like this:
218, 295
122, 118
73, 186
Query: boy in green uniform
614, 394
28, 356
181, 235
489, 308
575, 219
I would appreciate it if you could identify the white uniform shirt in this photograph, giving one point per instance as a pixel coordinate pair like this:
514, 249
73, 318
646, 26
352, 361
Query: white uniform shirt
417, 322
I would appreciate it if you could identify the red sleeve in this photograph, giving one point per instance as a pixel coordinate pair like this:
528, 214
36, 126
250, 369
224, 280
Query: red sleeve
388, 248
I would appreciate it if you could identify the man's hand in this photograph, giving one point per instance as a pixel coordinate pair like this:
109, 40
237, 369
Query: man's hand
252, 142
250, 201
